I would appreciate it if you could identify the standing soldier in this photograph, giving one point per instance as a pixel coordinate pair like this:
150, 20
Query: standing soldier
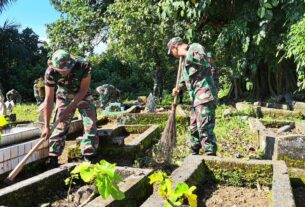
39, 100
197, 79
41, 89
72, 78
158, 83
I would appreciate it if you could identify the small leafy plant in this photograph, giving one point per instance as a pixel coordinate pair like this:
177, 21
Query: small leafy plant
173, 197
102, 175
3, 123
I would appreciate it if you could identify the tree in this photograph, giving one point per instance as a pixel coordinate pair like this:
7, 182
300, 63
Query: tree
246, 37
81, 27
250, 39
21, 59
296, 48
4, 3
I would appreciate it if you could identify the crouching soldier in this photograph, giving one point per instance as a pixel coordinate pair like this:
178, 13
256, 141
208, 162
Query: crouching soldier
72, 77
107, 94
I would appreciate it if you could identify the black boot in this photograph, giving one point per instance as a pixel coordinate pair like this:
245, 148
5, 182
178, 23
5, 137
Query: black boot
89, 158
194, 151
53, 162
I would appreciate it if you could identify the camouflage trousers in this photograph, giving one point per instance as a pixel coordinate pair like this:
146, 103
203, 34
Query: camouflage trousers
89, 142
158, 90
202, 125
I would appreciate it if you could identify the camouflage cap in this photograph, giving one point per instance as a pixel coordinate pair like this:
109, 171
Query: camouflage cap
172, 42
62, 61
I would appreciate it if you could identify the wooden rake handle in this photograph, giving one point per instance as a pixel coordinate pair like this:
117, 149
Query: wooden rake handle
178, 78
20, 165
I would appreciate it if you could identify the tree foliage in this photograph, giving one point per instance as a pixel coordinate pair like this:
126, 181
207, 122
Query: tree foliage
296, 49
256, 42
22, 59
4, 3
81, 27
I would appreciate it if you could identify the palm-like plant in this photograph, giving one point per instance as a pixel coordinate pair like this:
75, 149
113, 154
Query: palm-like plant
4, 3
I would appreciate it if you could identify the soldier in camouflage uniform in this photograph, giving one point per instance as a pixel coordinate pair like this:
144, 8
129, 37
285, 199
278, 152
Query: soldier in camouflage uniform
39, 99
197, 79
108, 93
72, 76
158, 83
13, 95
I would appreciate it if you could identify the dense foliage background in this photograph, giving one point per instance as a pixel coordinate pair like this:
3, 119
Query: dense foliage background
258, 44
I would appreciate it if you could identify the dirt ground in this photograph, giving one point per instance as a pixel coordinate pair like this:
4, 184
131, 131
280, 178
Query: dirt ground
110, 125
78, 195
131, 139
299, 196
231, 196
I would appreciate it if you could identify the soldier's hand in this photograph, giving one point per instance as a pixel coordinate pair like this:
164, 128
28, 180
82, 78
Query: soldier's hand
46, 133
175, 92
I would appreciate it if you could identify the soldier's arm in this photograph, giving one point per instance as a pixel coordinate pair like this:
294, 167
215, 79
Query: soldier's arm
181, 85
197, 57
84, 87
49, 103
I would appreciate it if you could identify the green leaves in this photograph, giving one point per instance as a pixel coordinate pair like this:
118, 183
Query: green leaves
157, 177
275, 3
296, 48
3, 121
261, 12
265, 12
176, 196
104, 176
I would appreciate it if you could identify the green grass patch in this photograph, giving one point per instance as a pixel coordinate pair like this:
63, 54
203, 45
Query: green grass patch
26, 112
233, 136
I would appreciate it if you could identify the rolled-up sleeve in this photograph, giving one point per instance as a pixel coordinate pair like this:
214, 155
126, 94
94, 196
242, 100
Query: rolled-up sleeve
48, 78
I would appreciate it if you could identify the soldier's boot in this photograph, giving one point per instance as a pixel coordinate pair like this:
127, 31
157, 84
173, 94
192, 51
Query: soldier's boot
90, 158
210, 153
210, 149
53, 162
195, 150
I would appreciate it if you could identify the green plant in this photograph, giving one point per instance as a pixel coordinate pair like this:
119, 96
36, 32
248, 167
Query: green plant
3, 123
103, 176
173, 197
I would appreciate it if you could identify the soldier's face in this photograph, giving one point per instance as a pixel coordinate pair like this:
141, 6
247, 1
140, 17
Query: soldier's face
64, 73
174, 51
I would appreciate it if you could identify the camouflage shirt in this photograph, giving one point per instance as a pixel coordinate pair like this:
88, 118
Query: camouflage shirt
196, 76
69, 86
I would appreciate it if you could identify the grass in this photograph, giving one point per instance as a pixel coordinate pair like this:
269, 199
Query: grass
26, 112
233, 136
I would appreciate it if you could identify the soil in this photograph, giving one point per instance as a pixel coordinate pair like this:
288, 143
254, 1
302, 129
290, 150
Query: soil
63, 159
110, 125
299, 196
78, 195
231, 196
131, 139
